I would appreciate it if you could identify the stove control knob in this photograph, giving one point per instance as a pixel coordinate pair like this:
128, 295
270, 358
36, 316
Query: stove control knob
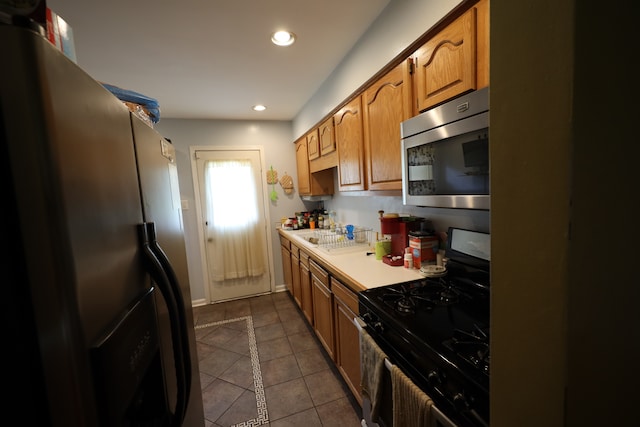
460, 402
434, 378
377, 326
367, 317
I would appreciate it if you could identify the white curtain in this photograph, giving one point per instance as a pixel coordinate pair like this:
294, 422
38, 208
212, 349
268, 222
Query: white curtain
234, 234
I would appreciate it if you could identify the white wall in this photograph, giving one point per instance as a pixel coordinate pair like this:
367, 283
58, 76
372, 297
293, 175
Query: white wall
277, 140
363, 211
401, 23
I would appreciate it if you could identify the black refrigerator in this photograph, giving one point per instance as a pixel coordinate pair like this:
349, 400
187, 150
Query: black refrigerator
96, 306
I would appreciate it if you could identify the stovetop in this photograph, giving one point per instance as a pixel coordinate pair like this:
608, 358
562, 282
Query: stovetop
441, 315
437, 329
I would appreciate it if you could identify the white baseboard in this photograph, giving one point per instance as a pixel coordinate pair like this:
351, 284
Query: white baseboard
198, 302
202, 301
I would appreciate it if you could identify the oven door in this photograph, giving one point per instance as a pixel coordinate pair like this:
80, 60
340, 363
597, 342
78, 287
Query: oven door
440, 419
385, 419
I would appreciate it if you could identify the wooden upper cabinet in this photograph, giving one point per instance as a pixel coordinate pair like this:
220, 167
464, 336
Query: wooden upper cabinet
327, 137
311, 184
363, 138
313, 145
302, 162
482, 41
350, 146
445, 66
328, 157
386, 104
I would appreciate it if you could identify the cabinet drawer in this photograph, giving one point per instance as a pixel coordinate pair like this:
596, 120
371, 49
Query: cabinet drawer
285, 242
295, 251
319, 272
304, 258
347, 296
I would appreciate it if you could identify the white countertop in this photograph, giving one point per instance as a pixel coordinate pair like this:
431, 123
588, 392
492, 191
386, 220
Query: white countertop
354, 263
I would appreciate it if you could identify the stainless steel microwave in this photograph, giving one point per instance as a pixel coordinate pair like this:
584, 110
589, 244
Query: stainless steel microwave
445, 154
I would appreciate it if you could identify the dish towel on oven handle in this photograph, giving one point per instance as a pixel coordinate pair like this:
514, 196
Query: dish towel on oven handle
372, 367
411, 406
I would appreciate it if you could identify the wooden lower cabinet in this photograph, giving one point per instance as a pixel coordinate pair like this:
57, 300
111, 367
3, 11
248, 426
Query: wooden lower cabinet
329, 306
347, 348
305, 288
285, 246
295, 275
322, 307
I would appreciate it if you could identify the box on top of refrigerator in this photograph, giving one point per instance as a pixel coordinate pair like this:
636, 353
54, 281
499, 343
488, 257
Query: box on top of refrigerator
60, 34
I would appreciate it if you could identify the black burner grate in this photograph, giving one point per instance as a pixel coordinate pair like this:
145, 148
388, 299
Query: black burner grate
422, 295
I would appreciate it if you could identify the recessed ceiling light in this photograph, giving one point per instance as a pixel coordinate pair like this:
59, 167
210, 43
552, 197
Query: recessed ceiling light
259, 108
283, 38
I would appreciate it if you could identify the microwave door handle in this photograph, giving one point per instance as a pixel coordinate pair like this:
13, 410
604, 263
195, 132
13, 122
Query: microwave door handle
159, 275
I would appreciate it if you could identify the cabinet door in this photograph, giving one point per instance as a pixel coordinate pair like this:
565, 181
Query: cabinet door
347, 336
322, 307
313, 145
295, 275
305, 288
311, 184
327, 138
386, 104
482, 40
350, 146
323, 315
445, 66
286, 268
302, 162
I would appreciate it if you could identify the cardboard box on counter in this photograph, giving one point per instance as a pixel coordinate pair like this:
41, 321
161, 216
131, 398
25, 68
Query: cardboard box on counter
424, 249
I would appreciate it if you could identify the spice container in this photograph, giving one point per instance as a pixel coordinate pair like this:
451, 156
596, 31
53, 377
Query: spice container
424, 247
408, 261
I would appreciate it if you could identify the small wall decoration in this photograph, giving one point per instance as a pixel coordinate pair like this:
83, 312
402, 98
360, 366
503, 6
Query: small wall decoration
287, 183
272, 178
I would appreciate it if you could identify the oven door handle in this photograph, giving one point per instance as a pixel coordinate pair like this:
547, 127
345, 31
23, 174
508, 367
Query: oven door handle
440, 418
360, 326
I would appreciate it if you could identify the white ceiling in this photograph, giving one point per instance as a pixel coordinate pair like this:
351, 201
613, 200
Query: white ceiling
214, 59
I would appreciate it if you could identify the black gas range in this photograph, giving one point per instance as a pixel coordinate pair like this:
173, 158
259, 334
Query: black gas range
436, 329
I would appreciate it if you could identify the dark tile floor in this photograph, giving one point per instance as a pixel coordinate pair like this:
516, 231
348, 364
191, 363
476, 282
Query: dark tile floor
261, 364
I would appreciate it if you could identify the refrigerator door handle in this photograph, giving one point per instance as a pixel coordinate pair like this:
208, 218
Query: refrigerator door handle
164, 276
174, 283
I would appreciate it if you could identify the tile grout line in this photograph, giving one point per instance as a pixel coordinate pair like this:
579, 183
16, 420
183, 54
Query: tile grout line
261, 403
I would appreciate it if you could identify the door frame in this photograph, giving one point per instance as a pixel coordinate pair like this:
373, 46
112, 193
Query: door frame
200, 211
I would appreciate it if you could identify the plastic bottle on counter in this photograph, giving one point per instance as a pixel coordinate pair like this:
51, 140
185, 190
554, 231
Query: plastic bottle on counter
408, 258
320, 222
332, 220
